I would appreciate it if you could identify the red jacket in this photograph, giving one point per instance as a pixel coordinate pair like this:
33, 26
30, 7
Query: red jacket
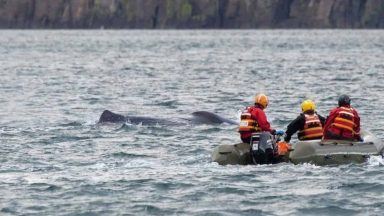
335, 128
258, 115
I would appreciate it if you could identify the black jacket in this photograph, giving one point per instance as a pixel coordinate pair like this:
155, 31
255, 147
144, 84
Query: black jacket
298, 124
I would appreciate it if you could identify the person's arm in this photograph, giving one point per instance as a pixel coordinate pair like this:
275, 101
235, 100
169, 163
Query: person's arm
261, 120
356, 128
330, 118
293, 127
357, 122
322, 119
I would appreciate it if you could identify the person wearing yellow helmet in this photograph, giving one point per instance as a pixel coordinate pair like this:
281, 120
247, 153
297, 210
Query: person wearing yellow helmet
308, 123
253, 119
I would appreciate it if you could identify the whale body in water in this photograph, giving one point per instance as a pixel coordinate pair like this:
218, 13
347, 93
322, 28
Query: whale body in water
199, 117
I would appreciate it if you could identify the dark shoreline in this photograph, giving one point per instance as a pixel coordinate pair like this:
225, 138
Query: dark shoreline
191, 14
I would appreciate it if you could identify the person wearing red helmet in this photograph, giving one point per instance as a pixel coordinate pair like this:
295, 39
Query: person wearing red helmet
253, 119
343, 122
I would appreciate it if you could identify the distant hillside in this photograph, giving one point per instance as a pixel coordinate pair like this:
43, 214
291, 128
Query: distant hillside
182, 14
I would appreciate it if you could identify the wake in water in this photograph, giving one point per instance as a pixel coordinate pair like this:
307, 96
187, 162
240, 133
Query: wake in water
377, 160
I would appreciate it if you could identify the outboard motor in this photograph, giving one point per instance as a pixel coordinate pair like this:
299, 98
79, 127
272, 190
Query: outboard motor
263, 147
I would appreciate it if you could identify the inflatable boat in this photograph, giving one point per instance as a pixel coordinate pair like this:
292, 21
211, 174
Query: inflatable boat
313, 151
329, 152
232, 154
241, 154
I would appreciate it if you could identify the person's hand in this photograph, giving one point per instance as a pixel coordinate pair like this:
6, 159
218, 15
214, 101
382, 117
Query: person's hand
273, 131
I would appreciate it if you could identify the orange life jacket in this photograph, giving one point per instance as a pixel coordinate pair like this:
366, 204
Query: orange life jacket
344, 120
312, 128
247, 123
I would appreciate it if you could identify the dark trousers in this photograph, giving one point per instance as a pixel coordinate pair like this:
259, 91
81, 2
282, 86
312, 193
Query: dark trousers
246, 139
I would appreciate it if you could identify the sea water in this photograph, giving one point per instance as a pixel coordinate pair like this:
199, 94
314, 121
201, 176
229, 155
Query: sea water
56, 160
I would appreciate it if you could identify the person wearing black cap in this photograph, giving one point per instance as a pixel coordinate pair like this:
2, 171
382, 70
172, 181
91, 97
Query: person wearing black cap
343, 122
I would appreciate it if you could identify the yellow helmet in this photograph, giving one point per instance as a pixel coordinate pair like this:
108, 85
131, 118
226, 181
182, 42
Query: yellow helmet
262, 100
308, 105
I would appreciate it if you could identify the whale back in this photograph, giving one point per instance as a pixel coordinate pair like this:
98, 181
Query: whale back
199, 117
204, 117
108, 116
